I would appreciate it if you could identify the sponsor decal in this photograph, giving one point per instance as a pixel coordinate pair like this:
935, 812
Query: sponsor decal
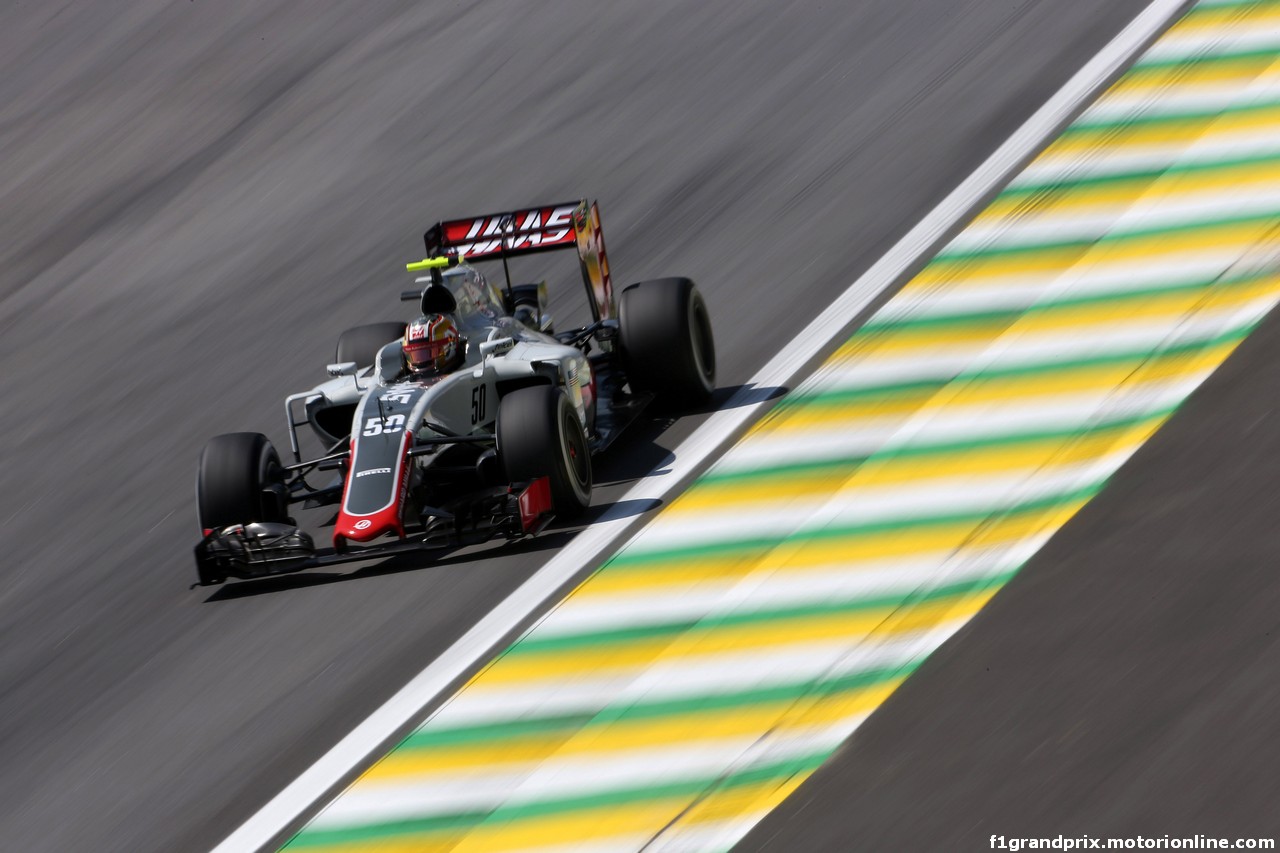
525, 229
363, 524
398, 395
374, 471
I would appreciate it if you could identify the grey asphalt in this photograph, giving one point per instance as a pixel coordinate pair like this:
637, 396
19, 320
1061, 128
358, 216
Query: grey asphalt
196, 198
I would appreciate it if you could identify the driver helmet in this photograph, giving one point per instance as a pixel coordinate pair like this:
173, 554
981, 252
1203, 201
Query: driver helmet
432, 345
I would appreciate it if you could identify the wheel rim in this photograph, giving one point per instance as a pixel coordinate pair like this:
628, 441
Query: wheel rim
704, 357
574, 452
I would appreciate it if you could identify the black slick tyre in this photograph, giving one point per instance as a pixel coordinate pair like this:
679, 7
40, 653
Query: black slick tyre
361, 344
239, 481
539, 435
667, 345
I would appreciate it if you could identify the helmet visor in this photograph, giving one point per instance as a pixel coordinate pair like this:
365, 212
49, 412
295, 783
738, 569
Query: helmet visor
423, 355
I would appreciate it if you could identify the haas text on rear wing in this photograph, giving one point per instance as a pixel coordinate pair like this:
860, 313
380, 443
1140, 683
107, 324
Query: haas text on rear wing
499, 236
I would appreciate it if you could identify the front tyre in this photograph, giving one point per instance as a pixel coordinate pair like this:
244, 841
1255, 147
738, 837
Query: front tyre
539, 435
667, 345
239, 481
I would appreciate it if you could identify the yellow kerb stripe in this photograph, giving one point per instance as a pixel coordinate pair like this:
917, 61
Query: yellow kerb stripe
925, 337
603, 822
1043, 454
986, 390
1113, 140
1238, 72
870, 548
628, 734
1117, 197
726, 804
1231, 237
1231, 17
725, 640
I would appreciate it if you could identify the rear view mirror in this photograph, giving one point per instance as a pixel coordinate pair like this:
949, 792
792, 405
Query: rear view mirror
342, 368
496, 347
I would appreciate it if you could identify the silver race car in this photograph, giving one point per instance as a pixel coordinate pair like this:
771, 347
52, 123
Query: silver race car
475, 420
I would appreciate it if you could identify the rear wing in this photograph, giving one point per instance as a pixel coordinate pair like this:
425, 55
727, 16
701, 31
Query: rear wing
499, 236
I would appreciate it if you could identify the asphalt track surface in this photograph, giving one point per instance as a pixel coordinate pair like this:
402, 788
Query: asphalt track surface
196, 199
1122, 684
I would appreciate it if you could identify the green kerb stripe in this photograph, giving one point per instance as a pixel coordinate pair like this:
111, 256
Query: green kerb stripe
839, 397
1142, 66
431, 737
844, 466
934, 322
1182, 118
1204, 8
749, 548
947, 258
444, 824
533, 645
1039, 193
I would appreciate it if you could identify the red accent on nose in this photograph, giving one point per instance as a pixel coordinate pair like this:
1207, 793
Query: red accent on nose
356, 529
364, 528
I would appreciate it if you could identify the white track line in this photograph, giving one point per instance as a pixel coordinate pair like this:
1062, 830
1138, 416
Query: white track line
587, 547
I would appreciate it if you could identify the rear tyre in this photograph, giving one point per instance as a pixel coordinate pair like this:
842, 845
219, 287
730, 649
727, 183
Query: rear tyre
667, 345
240, 480
362, 343
539, 435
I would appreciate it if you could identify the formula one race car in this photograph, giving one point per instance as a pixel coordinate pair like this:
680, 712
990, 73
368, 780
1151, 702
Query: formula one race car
474, 421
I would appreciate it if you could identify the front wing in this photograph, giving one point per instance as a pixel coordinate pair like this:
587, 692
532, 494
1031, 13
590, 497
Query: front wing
264, 549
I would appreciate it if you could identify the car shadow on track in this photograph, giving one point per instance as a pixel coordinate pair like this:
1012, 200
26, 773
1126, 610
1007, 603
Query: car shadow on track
751, 396
638, 454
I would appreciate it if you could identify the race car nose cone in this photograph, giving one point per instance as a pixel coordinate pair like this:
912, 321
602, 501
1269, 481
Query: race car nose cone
360, 530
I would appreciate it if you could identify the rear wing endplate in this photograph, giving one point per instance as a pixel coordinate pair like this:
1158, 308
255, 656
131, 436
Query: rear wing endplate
499, 236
